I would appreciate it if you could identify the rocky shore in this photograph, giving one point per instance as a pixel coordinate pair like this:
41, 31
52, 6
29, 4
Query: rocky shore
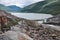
23, 31
42, 32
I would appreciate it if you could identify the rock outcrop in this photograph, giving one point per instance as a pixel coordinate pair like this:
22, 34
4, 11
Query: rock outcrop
54, 20
7, 20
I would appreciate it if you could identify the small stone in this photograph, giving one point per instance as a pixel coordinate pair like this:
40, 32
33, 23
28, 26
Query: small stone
54, 35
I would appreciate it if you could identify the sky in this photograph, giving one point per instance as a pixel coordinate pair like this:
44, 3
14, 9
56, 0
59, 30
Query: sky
20, 3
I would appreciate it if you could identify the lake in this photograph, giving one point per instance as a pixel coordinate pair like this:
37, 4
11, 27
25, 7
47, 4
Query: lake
32, 16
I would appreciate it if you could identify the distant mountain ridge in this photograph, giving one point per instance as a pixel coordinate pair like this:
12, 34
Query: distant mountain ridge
12, 8
2, 7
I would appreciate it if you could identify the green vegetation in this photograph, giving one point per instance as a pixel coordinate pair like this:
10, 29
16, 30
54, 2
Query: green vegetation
2, 7
12, 8
47, 6
34, 7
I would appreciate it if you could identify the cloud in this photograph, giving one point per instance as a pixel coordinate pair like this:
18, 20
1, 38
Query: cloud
20, 3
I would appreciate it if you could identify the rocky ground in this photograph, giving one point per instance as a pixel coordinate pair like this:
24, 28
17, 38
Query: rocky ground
4, 37
31, 33
41, 33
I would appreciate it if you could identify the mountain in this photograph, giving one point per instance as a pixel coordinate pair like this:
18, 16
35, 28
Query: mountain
50, 0
47, 6
12, 8
2, 7
33, 7
51, 8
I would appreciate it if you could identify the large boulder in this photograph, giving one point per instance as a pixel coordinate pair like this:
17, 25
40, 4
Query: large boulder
54, 20
17, 35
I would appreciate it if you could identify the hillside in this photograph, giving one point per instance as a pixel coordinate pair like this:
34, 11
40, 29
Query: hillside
12, 8
2, 7
33, 7
51, 8
47, 6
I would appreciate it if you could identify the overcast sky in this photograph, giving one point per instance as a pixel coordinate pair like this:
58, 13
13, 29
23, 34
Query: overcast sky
20, 3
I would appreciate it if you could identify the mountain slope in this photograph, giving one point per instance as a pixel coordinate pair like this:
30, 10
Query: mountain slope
47, 6
34, 7
11, 8
14, 8
51, 8
2, 7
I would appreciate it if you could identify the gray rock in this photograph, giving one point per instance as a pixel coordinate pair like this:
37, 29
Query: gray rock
4, 37
54, 20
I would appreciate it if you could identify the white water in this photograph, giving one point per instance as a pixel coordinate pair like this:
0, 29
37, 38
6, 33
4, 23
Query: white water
32, 16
